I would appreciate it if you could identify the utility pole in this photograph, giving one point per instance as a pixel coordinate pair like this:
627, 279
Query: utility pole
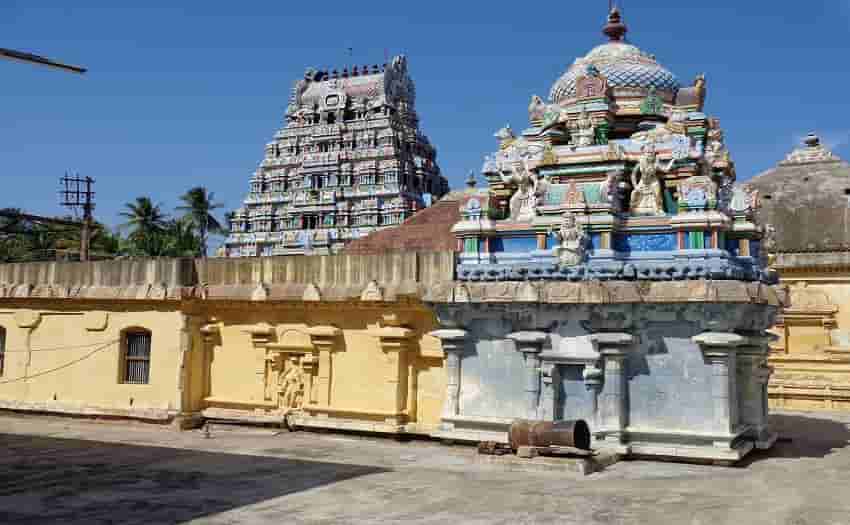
76, 193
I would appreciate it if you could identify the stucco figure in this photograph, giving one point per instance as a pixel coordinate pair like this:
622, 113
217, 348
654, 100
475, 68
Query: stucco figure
647, 197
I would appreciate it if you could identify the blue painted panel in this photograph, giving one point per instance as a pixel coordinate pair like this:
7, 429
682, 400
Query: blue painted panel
646, 242
596, 240
732, 246
496, 244
550, 241
755, 248
519, 244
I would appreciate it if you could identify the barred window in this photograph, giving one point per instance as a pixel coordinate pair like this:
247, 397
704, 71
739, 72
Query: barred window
2, 349
137, 356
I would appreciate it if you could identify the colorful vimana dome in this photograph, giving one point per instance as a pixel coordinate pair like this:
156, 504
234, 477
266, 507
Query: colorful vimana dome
624, 66
620, 175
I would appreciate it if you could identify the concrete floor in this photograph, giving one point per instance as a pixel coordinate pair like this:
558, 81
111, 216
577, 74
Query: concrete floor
56, 470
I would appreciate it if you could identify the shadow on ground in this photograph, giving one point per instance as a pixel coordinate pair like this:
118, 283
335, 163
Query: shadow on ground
801, 436
55, 480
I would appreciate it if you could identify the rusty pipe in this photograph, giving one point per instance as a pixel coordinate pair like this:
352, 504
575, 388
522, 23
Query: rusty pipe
527, 433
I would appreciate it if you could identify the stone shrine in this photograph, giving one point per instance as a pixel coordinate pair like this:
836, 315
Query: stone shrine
351, 160
612, 272
805, 197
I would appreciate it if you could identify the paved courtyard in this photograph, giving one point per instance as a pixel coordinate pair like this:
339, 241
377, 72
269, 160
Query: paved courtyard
58, 470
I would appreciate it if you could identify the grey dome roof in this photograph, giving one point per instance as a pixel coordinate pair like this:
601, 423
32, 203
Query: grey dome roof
624, 65
806, 199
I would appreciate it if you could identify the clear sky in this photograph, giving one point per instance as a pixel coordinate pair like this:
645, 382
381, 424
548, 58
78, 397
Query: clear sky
184, 96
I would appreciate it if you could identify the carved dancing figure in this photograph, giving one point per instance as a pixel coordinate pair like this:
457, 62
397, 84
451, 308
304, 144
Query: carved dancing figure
572, 240
292, 383
647, 197
523, 203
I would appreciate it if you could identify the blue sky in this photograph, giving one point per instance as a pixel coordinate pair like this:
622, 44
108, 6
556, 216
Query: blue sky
184, 96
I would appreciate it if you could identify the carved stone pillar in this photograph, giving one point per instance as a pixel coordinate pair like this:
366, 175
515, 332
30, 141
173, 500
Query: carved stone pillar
613, 413
453, 341
324, 339
531, 344
720, 351
394, 343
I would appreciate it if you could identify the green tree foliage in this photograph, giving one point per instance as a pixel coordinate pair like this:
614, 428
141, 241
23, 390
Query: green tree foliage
148, 231
198, 207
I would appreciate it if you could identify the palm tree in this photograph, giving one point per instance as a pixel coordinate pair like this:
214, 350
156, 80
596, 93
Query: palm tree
146, 222
180, 239
198, 208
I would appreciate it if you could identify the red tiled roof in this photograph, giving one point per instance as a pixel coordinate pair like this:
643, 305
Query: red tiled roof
429, 230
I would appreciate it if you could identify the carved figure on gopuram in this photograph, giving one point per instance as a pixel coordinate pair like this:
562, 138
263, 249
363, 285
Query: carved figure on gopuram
647, 197
571, 239
523, 203
584, 130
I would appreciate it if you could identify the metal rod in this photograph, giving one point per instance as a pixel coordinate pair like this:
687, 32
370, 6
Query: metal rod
21, 56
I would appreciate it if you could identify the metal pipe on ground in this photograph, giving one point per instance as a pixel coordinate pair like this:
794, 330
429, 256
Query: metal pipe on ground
528, 433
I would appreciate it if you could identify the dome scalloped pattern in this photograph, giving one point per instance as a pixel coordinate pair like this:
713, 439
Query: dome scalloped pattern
623, 64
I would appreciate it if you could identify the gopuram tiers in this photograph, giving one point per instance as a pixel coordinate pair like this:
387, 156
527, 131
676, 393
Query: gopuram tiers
612, 272
350, 160
621, 175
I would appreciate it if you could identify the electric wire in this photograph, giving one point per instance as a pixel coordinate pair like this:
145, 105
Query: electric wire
55, 348
61, 367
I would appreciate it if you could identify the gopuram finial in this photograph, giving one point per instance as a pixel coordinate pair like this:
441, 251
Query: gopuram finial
615, 29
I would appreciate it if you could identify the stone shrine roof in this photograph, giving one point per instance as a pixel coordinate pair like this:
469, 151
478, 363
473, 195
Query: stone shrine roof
805, 197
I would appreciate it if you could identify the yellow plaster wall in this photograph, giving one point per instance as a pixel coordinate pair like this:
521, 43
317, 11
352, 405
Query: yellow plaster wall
363, 379
810, 373
72, 361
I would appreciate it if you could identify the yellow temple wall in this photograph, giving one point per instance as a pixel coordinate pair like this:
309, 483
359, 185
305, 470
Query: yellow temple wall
811, 357
67, 358
366, 367
331, 342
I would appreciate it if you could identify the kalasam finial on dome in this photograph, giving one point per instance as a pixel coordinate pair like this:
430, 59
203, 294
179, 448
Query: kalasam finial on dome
812, 140
615, 29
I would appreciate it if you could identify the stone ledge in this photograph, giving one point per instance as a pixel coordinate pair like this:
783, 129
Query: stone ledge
607, 292
54, 407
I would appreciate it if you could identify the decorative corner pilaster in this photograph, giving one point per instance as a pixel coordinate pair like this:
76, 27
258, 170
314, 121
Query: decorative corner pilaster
614, 348
531, 345
720, 351
453, 342
324, 338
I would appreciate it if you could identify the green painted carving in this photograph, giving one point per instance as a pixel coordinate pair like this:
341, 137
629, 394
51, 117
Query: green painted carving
602, 133
652, 104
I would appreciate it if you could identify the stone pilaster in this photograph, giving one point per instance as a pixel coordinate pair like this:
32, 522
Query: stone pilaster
394, 342
453, 341
210, 336
531, 344
261, 334
720, 351
324, 339
752, 359
613, 413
